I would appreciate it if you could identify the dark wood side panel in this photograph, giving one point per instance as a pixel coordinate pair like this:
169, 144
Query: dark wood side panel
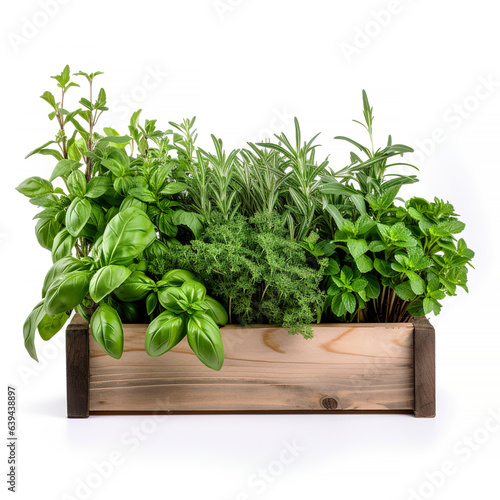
425, 368
77, 367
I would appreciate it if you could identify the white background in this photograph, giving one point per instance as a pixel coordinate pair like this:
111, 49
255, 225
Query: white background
244, 67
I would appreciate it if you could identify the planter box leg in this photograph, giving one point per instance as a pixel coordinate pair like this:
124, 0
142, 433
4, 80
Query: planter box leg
425, 368
77, 367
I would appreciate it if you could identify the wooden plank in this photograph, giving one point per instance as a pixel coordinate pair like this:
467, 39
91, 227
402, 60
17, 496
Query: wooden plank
344, 367
425, 368
77, 367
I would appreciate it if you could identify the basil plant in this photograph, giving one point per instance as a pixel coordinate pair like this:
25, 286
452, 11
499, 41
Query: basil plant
112, 215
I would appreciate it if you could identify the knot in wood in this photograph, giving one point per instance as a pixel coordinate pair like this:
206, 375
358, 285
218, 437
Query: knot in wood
329, 403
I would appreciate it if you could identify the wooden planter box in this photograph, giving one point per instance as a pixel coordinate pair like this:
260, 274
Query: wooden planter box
358, 368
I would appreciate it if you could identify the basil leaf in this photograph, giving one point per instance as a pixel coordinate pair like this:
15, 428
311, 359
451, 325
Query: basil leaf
126, 236
30, 326
107, 330
130, 201
78, 215
176, 277
77, 184
97, 187
63, 245
64, 168
106, 280
50, 325
45, 231
194, 291
205, 340
62, 266
215, 310
151, 303
173, 299
34, 187
135, 287
165, 332
67, 291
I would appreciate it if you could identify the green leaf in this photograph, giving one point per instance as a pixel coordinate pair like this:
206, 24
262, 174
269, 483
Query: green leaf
106, 280
349, 301
335, 187
416, 282
337, 216
135, 287
46, 230
164, 332
46, 200
404, 291
30, 326
37, 150
333, 267
357, 247
215, 310
194, 291
177, 277
127, 235
122, 139
427, 305
67, 291
173, 188
338, 306
173, 299
372, 289
189, 219
48, 97
63, 245
64, 168
359, 284
77, 184
78, 215
34, 187
364, 263
151, 303
346, 274
384, 268
130, 201
205, 340
63, 266
50, 325
143, 194
416, 308
377, 246
107, 330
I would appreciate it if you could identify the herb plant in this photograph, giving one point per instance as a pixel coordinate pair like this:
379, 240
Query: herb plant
142, 226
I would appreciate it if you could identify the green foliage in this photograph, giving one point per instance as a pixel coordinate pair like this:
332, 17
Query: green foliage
406, 251
141, 225
188, 311
255, 270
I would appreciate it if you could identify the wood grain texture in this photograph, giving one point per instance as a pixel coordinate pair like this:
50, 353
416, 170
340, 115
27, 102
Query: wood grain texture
77, 368
344, 367
425, 368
